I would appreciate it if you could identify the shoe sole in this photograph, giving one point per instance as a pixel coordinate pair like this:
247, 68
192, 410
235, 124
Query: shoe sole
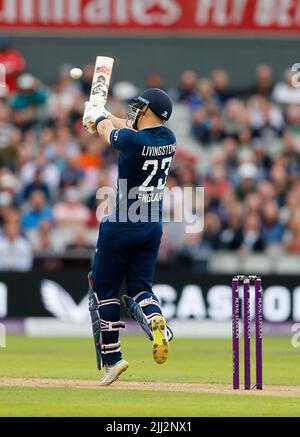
160, 346
121, 370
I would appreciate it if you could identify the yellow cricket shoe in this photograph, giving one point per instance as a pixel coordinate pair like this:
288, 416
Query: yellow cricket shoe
160, 345
113, 372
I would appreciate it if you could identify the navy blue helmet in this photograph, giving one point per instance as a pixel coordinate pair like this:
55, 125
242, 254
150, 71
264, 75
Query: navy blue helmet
154, 98
158, 101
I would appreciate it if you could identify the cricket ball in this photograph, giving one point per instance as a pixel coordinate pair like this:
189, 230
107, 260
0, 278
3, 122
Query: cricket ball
76, 73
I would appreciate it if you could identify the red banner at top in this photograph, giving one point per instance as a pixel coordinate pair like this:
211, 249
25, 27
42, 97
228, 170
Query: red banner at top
180, 16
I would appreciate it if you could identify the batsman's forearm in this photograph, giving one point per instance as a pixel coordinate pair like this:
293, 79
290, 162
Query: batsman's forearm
118, 123
104, 129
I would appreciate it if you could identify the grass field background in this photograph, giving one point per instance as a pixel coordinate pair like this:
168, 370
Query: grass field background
202, 361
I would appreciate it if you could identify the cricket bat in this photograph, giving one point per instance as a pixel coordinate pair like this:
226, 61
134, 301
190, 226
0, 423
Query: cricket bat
101, 80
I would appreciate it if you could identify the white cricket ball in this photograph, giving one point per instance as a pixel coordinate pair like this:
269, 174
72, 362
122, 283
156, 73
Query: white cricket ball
76, 73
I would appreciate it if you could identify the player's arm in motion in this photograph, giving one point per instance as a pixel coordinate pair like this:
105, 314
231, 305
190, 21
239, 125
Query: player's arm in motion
104, 129
99, 120
99, 93
118, 123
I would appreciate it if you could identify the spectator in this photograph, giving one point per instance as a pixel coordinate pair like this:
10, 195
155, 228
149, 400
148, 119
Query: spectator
13, 61
253, 203
235, 117
71, 174
9, 139
272, 229
217, 185
8, 182
15, 250
28, 101
80, 243
231, 235
230, 148
220, 83
37, 185
51, 174
207, 121
71, 211
205, 97
192, 252
266, 191
172, 241
279, 179
63, 93
187, 86
247, 158
251, 236
291, 207
38, 211
292, 115
263, 85
154, 80
90, 156
285, 93
6, 127
44, 241
247, 179
124, 92
6, 202
291, 150
29, 93
264, 81
264, 115
66, 143
292, 238
210, 239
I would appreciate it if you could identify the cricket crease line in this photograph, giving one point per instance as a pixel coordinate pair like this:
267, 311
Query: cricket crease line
274, 390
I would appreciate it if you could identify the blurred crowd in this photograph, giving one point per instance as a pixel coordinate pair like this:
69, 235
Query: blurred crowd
51, 169
251, 137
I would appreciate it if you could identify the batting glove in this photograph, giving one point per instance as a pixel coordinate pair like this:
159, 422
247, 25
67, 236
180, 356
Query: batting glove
91, 114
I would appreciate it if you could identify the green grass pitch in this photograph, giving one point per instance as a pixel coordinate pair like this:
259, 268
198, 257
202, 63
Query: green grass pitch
192, 361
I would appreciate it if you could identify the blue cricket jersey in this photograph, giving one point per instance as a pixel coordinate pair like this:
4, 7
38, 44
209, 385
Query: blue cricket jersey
144, 163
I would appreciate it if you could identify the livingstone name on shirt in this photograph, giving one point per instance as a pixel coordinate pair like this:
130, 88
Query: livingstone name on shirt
159, 151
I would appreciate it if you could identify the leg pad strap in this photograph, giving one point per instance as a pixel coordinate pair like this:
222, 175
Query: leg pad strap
111, 326
110, 348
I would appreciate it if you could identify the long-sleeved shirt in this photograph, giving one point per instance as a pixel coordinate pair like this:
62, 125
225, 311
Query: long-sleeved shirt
15, 255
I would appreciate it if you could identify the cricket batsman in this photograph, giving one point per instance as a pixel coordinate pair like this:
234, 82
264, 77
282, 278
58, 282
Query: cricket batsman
127, 247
